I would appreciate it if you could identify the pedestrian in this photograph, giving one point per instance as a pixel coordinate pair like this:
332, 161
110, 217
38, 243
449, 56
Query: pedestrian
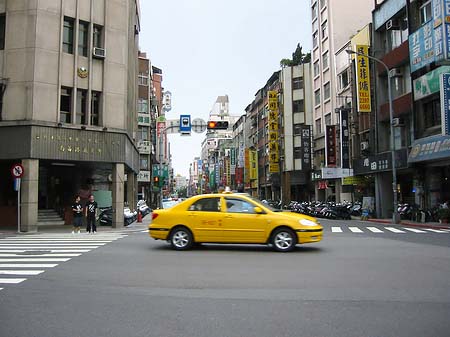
91, 215
77, 210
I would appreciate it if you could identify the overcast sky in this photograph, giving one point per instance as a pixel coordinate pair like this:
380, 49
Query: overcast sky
209, 48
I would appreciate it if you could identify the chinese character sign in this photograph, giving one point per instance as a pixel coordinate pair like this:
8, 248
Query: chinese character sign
445, 103
306, 147
345, 139
253, 164
331, 145
421, 46
363, 79
273, 132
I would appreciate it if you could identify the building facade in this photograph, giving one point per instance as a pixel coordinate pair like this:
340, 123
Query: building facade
69, 91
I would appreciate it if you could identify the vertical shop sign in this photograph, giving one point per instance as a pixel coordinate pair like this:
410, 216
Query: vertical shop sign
273, 132
247, 166
331, 145
445, 103
363, 79
233, 161
306, 147
345, 139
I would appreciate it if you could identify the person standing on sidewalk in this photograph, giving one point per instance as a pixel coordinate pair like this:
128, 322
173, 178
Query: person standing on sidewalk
77, 210
91, 215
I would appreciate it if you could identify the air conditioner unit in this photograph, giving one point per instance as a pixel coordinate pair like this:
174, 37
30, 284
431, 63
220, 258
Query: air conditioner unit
99, 53
364, 146
392, 24
397, 121
395, 72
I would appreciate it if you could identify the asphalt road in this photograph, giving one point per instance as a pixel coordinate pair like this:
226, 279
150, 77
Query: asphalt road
351, 284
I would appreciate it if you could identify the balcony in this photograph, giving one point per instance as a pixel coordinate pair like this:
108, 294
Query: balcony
401, 106
396, 57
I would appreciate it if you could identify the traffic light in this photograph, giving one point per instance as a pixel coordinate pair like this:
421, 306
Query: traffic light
217, 125
156, 180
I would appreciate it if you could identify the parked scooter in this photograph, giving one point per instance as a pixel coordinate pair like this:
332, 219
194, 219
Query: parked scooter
143, 208
106, 216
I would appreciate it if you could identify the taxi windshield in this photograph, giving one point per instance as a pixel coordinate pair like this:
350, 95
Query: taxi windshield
266, 205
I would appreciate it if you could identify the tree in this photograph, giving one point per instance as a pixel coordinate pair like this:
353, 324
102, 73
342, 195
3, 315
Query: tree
298, 57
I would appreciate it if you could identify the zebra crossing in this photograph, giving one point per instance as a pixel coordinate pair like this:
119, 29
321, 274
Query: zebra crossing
386, 229
25, 256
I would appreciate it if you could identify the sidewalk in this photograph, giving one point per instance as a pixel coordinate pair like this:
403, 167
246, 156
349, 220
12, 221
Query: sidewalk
432, 225
134, 227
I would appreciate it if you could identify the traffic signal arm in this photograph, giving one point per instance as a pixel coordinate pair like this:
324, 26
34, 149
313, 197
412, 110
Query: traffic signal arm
217, 125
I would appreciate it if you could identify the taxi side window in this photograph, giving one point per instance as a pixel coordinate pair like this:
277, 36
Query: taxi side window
206, 205
239, 206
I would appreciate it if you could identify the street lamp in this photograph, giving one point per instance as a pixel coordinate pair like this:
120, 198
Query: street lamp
395, 216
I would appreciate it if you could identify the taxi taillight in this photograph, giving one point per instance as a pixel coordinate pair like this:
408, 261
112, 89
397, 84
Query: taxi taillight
154, 215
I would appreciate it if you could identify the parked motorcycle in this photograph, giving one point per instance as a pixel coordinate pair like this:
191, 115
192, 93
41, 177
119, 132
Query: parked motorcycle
105, 216
143, 208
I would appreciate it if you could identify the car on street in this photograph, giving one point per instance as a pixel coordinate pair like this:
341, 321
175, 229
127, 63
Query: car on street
232, 218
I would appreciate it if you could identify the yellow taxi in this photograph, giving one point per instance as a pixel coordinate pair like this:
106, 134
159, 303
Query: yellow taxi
232, 218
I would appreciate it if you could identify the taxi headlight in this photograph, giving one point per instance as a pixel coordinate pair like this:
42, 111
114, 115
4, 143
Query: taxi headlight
306, 222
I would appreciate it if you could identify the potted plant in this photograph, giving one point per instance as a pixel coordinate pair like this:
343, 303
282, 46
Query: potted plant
444, 215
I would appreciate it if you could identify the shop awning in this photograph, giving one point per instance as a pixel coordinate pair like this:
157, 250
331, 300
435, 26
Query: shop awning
430, 148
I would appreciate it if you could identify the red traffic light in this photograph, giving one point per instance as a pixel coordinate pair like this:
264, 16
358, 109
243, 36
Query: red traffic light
217, 125
156, 179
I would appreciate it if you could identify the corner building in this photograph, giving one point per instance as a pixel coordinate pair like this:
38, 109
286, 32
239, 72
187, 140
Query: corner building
68, 76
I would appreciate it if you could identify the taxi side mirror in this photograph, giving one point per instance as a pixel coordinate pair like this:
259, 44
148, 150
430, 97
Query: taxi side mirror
258, 210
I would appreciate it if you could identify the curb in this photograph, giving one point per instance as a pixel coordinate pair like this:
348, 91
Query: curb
408, 223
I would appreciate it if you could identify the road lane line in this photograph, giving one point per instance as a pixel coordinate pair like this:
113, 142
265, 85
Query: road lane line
39, 255
51, 244
394, 230
46, 250
28, 265
21, 272
11, 280
355, 230
435, 230
46, 247
374, 229
35, 260
414, 230
336, 229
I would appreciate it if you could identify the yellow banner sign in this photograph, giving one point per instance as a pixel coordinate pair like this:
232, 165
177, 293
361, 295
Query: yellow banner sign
274, 168
253, 164
354, 180
363, 79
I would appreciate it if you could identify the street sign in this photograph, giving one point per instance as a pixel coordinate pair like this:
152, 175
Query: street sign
185, 124
198, 125
17, 170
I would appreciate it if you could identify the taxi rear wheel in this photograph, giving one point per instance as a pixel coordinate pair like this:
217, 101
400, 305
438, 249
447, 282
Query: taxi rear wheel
181, 238
283, 240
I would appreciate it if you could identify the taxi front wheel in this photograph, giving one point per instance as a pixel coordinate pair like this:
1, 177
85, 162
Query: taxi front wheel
181, 238
284, 240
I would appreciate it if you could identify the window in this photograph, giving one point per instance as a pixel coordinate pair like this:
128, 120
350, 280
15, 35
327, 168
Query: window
142, 79
65, 109
239, 206
298, 106
316, 68
98, 36
81, 106
314, 11
315, 39
324, 27
317, 97
425, 12
68, 35
83, 34
325, 60
95, 107
432, 113
142, 105
297, 129
318, 126
143, 163
143, 133
328, 119
326, 91
206, 205
297, 83
2, 30
343, 80
298, 153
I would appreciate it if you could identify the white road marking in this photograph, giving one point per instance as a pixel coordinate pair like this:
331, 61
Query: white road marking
374, 230
394, 230
1, 288
11, 280
50, 244
50, 241
46, 250
46, 247
414, 230
336, 229
38, 255
35, 260
435, 230
355, 230
28, 265
21, 272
